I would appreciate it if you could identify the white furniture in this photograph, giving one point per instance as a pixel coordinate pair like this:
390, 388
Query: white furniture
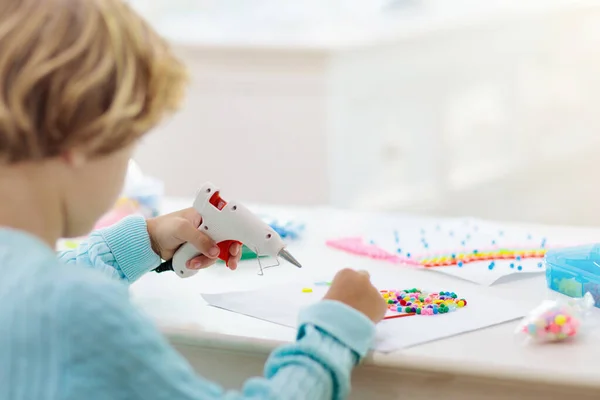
487, 364
427, 105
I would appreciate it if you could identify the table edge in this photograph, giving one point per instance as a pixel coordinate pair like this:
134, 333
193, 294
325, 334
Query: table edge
397, 362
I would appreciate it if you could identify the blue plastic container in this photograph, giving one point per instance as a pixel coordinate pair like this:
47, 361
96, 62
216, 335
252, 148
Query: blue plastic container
574, 271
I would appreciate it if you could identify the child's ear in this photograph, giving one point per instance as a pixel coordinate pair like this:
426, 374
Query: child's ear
74, 158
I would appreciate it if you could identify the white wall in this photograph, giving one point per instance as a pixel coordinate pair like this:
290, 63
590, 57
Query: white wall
497, 120
253, 123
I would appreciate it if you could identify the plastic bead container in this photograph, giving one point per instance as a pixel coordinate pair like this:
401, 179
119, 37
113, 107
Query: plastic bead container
574, 271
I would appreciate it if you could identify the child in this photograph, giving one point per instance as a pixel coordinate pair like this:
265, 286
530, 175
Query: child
80, 82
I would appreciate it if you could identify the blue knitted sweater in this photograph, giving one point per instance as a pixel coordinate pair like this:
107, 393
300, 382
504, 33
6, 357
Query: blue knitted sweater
68, 331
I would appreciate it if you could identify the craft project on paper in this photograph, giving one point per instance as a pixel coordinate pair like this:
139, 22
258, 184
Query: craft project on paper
281, 304
410, 302
479, 251
418, 302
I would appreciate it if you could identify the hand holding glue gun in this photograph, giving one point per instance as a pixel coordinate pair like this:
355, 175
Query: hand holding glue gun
168, 232
229, 225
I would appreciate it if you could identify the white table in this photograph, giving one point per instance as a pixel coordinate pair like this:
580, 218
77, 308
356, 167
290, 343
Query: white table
489, 363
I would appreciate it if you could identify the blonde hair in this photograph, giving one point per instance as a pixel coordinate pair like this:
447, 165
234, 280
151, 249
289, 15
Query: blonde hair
86, 74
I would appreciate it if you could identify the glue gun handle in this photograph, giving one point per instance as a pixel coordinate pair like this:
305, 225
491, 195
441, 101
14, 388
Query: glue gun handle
224, 246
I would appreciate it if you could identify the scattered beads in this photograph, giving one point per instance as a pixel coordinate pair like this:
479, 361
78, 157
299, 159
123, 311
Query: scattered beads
478, 255
415, 301
70, 244
359, 247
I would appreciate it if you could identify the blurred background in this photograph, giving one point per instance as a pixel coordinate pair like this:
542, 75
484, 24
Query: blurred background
464, 107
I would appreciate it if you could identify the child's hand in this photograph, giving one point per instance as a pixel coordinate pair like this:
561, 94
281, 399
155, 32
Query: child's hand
168, 232
354, 289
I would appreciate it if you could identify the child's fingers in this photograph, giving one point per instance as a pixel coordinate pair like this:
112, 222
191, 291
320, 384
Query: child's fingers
235, 250
186, 232
200, 262
193, 216
364, 272
232, 264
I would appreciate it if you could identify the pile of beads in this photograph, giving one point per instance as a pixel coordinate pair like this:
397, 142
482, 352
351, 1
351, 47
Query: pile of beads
553, 324
416, 301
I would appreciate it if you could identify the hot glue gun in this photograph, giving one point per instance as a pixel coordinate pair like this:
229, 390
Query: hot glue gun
227, 223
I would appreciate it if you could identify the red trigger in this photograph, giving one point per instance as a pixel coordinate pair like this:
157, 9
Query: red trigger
224, 247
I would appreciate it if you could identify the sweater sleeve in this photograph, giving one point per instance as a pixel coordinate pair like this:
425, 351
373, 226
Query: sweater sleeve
115, 352
122, 251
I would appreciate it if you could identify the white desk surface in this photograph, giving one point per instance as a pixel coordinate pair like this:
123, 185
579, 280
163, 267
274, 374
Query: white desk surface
180, 312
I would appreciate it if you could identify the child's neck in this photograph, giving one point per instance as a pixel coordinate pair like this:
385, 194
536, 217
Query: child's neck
30, 201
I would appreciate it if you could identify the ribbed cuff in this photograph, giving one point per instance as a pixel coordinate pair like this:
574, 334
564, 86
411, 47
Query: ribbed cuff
347, 325
129, 242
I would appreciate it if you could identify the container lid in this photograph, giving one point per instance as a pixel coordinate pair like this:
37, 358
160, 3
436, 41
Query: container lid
581, 258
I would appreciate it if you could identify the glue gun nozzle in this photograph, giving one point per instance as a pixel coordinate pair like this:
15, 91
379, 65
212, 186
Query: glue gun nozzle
289, 258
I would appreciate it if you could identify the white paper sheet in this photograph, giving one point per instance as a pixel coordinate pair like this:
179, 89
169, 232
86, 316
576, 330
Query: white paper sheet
281, 305
428, 237
502, 272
